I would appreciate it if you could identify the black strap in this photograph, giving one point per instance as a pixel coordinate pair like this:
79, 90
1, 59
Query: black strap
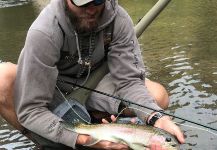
108, 36
64, 34
154, 118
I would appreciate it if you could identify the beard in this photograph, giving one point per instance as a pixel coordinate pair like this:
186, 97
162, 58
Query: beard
83, 23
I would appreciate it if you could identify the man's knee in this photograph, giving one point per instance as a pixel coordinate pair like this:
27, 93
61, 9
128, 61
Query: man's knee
7, 77
158, 92
7, 71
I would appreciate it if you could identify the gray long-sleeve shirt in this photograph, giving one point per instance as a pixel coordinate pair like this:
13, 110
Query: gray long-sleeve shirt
38, 70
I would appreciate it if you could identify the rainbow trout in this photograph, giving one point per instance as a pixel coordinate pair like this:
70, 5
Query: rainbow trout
137, 137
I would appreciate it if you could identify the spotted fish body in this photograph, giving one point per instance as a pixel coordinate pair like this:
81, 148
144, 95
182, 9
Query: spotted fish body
137, 137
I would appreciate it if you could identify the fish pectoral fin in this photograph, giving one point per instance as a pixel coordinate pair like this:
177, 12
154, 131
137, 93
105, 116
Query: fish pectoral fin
93, 141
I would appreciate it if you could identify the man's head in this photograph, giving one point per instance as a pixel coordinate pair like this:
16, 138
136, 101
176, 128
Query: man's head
85, 13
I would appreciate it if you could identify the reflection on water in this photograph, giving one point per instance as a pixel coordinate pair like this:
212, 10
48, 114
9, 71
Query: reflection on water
11, 139
11, 3
192, 95
14, 22
179, 51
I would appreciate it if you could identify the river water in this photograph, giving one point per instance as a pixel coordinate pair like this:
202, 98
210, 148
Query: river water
179, 49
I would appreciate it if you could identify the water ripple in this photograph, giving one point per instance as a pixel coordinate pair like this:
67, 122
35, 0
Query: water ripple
11, 3
12, 139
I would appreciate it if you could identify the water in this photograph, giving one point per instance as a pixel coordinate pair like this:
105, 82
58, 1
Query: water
12, 3
15, 18
11, 139
179, 50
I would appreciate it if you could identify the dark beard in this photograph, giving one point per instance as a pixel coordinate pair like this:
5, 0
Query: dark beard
80, 25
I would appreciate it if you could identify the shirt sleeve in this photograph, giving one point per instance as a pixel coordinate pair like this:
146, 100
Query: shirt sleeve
127, 68
34, 88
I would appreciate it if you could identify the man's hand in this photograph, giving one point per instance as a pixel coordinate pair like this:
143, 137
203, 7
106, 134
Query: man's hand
166, 124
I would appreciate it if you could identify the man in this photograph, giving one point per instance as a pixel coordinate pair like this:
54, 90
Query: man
68, 41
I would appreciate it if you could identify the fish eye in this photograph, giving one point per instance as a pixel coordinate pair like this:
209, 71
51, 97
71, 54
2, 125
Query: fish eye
168, 139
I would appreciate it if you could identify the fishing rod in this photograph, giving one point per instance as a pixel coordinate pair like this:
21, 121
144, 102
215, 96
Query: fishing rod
150, 16
129, 102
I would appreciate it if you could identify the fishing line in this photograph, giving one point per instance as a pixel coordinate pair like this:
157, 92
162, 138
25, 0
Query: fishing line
202, 129
71, 106
127, 101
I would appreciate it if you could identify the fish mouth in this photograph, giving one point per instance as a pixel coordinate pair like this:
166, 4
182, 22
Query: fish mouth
174, 146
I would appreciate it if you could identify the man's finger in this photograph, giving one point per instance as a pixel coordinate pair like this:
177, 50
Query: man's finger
113, 118
104, 121
180, 136
133, 120
156, 146
116, 146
